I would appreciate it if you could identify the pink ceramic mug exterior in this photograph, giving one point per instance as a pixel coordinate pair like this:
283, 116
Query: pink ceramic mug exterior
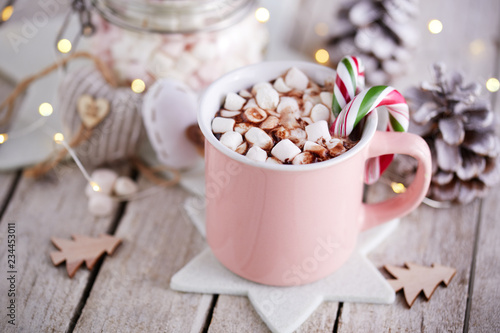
288, 225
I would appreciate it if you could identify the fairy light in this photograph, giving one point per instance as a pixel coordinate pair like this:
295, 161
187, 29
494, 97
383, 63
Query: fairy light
262, 15
64, 45
493, 85
435, 26
138, 86
3, 138
58, 138
321, 29
45, 109
398, 187
477, 47
95, 186
322, 56
7, 13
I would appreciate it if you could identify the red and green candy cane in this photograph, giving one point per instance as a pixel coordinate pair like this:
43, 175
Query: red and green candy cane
350, 80
362, 105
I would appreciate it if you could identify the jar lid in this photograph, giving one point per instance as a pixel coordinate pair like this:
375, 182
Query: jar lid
173, 16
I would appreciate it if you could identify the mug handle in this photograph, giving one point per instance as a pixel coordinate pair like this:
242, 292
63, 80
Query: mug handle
384, 143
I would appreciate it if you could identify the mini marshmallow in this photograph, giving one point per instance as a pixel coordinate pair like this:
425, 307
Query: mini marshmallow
273, 160
320, 112
326, 98
250, 104
231, 140
124, 186
258, 137
242, 148
296, 79
281, 86
255, 115
267, 99
335, 147
307, 120
245, 94
304, 158
332, 143
105, 179
222, 125
204, 50
288, 119
257, 154
281, 132
261, 85
187, 63
270, 123
313, 147
318, 130
285, 150
229, 114
208, 72
287, 102
234, 102
100, 205
307, 108
298, 136
313, 99
242, 128
161, 64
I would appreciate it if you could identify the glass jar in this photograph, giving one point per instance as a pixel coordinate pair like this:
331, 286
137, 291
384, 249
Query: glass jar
195, 41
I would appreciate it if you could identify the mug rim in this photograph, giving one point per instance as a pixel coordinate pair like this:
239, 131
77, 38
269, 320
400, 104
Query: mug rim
270, 68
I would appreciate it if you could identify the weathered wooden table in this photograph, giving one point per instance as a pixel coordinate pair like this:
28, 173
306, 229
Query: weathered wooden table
129, 292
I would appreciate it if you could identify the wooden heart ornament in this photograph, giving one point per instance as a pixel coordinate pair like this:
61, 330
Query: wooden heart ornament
92, 111
112, 113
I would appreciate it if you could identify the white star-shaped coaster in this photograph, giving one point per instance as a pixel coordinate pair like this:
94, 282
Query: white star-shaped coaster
284, 309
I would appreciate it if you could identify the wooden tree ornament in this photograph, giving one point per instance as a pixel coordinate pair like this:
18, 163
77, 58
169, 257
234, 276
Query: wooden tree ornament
415, 279
81, 249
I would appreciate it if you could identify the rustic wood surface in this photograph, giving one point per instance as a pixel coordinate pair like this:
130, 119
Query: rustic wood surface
129, 291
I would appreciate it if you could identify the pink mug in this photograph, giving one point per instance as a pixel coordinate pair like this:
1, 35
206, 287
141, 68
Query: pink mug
286, 225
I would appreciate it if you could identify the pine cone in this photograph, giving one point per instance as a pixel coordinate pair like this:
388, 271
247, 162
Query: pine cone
377, 31
459, 128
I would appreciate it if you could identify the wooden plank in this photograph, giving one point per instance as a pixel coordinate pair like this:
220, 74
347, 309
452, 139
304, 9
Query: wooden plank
235, 314
131, 292
426, 236
46, 297
484, 311
6, 182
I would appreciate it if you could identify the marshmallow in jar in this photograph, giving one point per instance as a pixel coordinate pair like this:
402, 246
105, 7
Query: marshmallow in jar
194, 41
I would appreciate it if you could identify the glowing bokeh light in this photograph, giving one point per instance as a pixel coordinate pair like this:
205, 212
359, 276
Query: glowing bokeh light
262, 15
7, 13
398, 187
64, 46
477, 47
45, 109
435, 26
58, 137
321, 29
322, 56
95, 186
493, 84
138, 86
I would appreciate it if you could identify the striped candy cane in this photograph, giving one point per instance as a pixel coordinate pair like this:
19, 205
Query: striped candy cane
350, 80
360, 106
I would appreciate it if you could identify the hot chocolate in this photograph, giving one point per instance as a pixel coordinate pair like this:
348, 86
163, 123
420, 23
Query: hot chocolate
284, 121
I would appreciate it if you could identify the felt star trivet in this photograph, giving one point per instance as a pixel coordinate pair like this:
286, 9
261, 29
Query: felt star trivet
284, 309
